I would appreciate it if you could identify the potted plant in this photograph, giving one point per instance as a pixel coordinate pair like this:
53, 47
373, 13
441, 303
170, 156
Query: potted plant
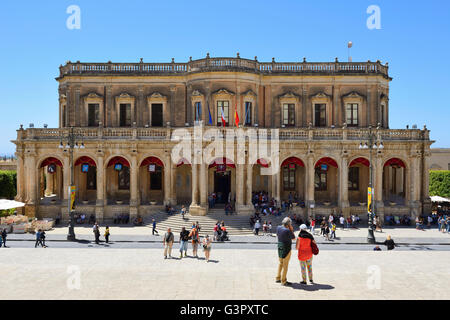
85, 201
327, 203
152, 202
119, 201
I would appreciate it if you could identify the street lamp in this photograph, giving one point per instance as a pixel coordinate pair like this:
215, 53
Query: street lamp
372, 143
71, 143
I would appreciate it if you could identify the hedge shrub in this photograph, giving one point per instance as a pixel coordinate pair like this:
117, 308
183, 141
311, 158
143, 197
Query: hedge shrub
8, 184
440, 183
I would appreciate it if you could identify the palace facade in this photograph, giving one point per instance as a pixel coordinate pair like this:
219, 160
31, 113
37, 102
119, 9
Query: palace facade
123, 116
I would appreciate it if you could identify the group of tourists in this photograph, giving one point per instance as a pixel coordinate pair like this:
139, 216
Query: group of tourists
96, 230
220, 232
185, 236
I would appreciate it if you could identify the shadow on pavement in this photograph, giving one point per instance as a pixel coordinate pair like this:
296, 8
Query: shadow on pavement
312, 287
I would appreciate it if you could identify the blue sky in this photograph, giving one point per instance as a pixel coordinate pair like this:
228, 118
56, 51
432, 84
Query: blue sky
414, 39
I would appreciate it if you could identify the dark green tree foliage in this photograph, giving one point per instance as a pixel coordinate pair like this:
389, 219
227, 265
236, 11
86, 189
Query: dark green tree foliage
8, 184
440, 183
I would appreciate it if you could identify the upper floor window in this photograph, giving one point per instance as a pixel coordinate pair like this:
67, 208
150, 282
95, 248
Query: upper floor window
93, 114
353, 178
351, 114
125, 115
289, 114
320, 115
248, 113
222, 106
198, 111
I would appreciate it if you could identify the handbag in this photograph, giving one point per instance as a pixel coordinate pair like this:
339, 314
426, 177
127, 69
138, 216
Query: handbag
315, 249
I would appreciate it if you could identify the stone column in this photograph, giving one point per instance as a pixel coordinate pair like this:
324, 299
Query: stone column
378, 186
415, 184
310, 186
426, 201
204, 185
78, 108
100, 203
173, 193
133, 188
195, 208
31, 191
278, 187
167, 180
20, 177
249, 184
239, 185
368, 106
343, 186
110, 113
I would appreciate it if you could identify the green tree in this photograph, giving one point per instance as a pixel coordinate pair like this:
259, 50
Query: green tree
8, 180
440, 183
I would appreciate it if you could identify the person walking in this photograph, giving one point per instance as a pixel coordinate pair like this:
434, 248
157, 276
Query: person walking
38, 239
154, 228
304, 246
183, 211
168, 243
194, 236
184, 238
333, 231
206, 247
327, 232
1, 241
323, 225
107, 234
42, 236
4, 235
389, 243
257, 227
312, 225
285, 234
96, 230
342, 222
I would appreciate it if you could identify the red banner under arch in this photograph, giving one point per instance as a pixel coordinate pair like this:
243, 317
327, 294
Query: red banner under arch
183, 161
362, 161
395, 162
293, 160
327, 161
51, 160
218, 161
262, 162
85, 159
152, 160
117, 160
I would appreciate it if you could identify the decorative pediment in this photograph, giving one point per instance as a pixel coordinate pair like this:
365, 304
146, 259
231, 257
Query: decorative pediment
157, 95
223, 91
125, 95
93, 95
249, 93
288, 95
320, 95
353, 95
384, 97
196, 93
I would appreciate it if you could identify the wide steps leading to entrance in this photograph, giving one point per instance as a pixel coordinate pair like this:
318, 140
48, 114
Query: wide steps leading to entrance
235, 224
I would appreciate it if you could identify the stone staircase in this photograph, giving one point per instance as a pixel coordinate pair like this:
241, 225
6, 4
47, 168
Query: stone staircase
235, 224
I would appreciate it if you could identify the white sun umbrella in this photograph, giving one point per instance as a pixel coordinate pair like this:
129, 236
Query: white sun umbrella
10, 204
439, 199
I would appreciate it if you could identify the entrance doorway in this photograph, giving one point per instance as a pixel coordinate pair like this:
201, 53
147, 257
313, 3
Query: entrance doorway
222, 186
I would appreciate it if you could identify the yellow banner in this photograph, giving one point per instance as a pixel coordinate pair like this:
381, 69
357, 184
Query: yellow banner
369, 198
72, 196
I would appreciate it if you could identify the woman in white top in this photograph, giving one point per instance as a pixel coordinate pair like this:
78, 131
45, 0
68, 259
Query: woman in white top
206, 247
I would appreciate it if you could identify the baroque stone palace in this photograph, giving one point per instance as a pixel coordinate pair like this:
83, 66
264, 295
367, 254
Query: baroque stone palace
124, 115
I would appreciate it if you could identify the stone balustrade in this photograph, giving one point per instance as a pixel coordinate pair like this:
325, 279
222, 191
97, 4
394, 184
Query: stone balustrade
359, 134
223, 64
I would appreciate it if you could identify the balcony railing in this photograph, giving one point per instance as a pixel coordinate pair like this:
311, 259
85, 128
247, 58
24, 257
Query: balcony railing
224, 64
165, 134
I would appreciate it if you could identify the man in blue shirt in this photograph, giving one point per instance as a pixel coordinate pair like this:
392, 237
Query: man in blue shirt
285, 234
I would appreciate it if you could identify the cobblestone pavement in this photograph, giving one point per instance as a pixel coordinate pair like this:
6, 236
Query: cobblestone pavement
232, 274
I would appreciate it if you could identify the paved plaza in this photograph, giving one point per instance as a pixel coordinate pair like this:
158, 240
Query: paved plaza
109, 273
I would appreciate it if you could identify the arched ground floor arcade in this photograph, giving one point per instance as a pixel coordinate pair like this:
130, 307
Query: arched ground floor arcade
318, 182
